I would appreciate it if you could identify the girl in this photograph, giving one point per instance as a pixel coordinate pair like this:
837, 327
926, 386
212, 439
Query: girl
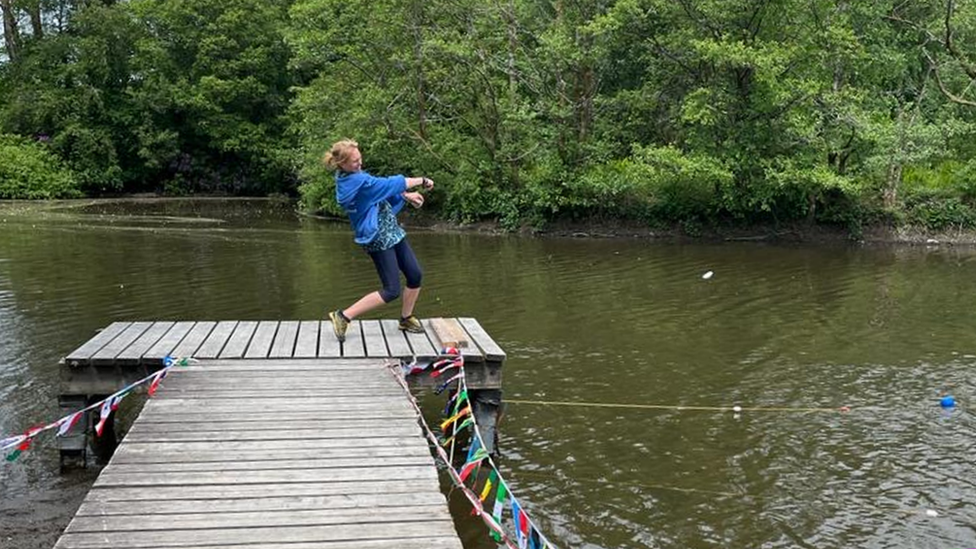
372, 204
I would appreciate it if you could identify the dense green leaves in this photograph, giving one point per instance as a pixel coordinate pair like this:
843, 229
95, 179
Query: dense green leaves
693, 112
29, 170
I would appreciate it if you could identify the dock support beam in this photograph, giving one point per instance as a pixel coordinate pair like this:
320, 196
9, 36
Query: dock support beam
487, 409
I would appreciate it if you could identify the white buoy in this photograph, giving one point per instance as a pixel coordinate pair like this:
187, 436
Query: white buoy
737, 409
932, 513
707, 275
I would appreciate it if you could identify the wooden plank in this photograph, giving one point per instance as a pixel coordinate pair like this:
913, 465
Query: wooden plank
107, 354
168, 342
348, 474
407, 529
133, 353
216, 340
470, 354
323, 416
287, 503
307, 345
353, 346
449, 333
84, 353
412, 543
193, 340
259, 491
174, 465
329, 346
175, 452
343, 405
252, 519
281, 392
290, 434
492, 351
260, 344
272, 447
237, 343
373, 339
421, 345
396, 342
271, 423
284, 340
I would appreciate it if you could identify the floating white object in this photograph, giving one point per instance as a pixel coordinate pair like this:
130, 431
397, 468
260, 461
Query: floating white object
932, 513
737, 409
707, 275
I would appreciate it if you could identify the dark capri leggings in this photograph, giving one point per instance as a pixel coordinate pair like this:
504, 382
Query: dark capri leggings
388, 264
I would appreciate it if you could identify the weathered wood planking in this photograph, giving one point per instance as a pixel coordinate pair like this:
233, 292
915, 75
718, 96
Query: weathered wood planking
221, 456
147, 343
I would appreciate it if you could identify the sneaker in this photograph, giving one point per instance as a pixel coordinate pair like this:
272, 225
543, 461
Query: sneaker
339, 325
412, 325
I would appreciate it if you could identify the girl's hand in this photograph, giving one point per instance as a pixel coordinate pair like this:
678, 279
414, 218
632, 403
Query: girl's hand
415, 199
428, 184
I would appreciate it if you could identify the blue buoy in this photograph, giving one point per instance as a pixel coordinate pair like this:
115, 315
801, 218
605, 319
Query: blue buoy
947, 401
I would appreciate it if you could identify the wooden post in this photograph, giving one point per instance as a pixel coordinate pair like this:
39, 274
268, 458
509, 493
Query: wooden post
74, 445
487, 409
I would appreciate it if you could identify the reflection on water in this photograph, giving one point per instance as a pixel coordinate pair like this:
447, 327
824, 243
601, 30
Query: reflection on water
884, 331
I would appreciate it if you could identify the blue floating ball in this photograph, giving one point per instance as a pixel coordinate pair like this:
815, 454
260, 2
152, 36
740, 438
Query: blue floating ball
947, 401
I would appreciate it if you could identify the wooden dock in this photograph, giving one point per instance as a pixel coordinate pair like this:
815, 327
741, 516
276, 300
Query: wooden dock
320, 453
278, 437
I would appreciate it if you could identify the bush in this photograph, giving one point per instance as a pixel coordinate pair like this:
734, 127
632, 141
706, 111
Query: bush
29, 170
939, 211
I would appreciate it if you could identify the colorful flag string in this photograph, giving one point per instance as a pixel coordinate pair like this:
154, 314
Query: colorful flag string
21, 443
527, 534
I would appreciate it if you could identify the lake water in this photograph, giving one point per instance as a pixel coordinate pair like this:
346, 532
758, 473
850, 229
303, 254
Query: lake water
790, 333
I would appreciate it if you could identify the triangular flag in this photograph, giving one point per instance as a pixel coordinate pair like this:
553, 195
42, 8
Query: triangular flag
447, 422
471, 465
517, 516
475, 445
501, 494
68, 422
492, 478
108, 406
157, 378
23, 447
10, 442
535, 542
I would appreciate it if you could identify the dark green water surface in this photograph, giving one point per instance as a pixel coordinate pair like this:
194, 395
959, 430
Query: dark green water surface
800, 328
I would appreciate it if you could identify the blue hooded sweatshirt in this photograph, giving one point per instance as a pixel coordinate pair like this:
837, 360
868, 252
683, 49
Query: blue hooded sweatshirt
360, 194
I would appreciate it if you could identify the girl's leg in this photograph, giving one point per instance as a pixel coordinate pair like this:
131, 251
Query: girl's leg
386, 267
408, 264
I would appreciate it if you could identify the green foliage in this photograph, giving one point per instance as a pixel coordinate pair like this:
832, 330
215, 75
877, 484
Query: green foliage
524, 112
30, 170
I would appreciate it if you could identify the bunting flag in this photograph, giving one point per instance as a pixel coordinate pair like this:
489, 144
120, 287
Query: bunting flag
535, 542
108, 406
521, 524
473, 450
65, 424
501, 494
464, 425
447, 422
460, 397
11, 442
445, 385
489, 483
21, 448
459, 408
156, 379
470, 466
21, 443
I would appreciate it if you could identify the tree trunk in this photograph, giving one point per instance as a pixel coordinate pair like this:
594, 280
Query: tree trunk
11, 35
892, 183
418, 52
37, 26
